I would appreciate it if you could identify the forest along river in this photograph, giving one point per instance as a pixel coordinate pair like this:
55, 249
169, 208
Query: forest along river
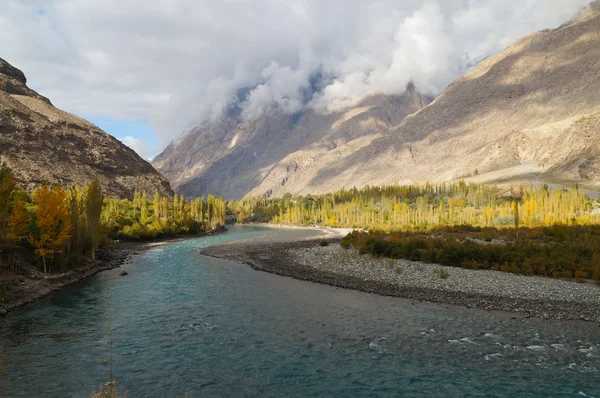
187, 323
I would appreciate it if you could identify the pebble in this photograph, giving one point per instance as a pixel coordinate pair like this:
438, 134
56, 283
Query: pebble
539, 296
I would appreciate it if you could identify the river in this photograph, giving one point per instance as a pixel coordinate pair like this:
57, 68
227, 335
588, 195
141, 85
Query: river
183, 322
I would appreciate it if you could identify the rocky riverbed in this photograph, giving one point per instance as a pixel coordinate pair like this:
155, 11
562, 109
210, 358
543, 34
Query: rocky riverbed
489, 290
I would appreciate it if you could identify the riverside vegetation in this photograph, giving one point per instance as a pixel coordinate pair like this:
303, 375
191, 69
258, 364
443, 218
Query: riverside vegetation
535, 231
423, 207
58, 229
558, 251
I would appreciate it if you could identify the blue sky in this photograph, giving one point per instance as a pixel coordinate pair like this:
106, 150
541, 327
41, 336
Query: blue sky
136, 134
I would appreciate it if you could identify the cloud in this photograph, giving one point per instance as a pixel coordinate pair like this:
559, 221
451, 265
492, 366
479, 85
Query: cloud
178, 63
136, 144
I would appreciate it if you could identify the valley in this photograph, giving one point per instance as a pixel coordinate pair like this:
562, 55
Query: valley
310, 198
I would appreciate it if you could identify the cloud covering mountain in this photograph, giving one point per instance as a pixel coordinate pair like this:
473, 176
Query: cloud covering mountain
178, 63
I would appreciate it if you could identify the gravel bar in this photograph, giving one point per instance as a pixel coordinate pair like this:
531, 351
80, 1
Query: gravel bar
489, 290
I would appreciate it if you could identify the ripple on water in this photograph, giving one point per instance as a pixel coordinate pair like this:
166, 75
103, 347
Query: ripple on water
187, 323
489, 357
537, 348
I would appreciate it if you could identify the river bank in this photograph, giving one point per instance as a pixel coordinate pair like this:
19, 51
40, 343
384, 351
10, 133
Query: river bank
315, 261
327, 232
28, 289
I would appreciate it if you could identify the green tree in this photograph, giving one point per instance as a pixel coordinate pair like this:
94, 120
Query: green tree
93, 211
156, 206
7, 186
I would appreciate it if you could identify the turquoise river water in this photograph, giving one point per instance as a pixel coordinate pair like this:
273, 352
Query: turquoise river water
183, 322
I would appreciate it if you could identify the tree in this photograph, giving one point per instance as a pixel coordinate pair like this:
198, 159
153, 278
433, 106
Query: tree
156, 205
76, 210
52, 222
18, 222
176, 208
93, 210
516, 215
164, 212
210, 210
7, 186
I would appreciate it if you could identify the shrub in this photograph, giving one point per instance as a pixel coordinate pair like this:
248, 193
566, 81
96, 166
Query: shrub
558, 251
504, 221
441, 273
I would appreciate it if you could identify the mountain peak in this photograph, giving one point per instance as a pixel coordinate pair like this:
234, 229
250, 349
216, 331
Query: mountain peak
43, 144
276, 152
11, 72
526, 115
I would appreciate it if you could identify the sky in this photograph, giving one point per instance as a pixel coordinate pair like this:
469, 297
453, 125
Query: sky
146, 71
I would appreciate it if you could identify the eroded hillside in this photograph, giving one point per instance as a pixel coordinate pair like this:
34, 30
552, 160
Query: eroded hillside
41, 143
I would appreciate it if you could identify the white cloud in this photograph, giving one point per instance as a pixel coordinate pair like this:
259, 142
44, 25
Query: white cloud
136, 144
178, 63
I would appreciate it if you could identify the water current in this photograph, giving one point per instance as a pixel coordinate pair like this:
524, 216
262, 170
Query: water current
183, 322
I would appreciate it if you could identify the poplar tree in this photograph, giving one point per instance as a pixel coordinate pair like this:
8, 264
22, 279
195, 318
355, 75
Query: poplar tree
93, 211
156, 204
18, 223
52, 222
7, 186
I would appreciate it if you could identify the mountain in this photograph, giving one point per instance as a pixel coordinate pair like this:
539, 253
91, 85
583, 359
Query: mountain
530, 114
279, 152
41, 143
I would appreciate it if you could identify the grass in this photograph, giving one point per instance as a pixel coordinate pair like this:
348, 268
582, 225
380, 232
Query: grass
441, 273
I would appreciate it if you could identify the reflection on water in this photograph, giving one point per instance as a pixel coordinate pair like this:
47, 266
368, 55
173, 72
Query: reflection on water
184, 322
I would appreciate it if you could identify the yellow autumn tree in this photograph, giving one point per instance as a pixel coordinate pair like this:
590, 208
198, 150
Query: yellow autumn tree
18, 222
52, 222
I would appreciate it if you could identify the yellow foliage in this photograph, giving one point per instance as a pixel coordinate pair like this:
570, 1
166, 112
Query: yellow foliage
52, 222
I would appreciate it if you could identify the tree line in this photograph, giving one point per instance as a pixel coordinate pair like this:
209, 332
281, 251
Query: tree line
63, 227
422, 207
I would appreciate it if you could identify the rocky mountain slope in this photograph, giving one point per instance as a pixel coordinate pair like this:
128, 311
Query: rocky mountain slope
278, 152
44, 144
530, 114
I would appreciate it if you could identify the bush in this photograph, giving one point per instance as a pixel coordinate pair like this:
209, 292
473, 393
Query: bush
441, 273
558, 252
504, 221
323, 243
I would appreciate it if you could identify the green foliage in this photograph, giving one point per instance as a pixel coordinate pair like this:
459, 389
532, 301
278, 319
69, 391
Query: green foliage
559, 251
93, 211
141, 219
441, 273
67, 227
7, 187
